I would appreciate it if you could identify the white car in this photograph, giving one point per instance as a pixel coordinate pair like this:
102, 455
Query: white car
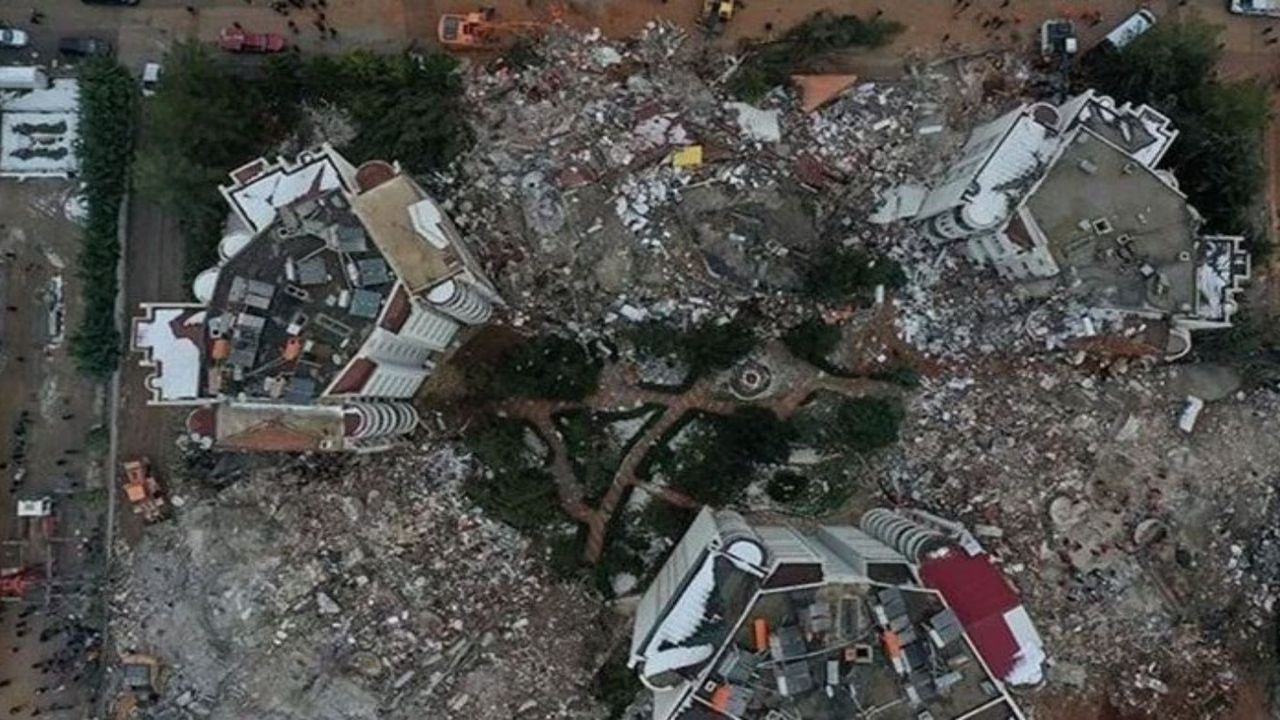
13, 38
1266, 8
150, 78
1129, 30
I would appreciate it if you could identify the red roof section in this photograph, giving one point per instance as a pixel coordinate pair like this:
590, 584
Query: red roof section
980, 596
353, 380
397, 312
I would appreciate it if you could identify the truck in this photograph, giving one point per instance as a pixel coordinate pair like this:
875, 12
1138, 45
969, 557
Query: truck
142, 490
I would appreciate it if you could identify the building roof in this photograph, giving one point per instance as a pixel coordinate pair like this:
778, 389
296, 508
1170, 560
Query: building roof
172, 342
745, 621
985, 603
1124, 229
260, 189
39, 129
262, 427
420, 261
297, 302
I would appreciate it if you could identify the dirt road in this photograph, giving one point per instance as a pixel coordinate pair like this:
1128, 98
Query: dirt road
46, 415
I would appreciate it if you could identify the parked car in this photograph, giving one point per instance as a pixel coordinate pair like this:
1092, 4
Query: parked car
1265, 8
150, 78
1129, 30
13, 38
83, 46
233, 39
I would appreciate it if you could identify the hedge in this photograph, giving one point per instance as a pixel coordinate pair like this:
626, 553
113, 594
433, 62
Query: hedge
108, 104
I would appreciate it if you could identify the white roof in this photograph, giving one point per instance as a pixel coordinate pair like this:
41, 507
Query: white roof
1027, 669
257, 200
39, 130
681, 622
176, 358
697, 539
1028, 146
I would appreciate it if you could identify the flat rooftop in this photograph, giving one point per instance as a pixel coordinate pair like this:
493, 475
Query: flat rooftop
293, 306
1126, 233
826, 657
39, 130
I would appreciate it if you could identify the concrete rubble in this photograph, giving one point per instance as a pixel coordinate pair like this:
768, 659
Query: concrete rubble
573, 191
372, 591
1145, 554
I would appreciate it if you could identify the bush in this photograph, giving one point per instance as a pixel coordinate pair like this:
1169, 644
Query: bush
786, 486
839, 274
812, 341
615, 684
716, 346
549, 366
525, 499
869, 423
1218, 154
105, 149
703, 348
714, 466
517, 491
772, 63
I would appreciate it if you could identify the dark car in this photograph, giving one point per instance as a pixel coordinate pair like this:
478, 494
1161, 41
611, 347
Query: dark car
109, 2
83, 46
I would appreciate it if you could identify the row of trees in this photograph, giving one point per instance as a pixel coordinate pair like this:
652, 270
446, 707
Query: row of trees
208, 117
108, 104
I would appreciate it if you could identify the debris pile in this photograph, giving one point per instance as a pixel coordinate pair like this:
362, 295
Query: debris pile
618, 180
372, 594
1146, 555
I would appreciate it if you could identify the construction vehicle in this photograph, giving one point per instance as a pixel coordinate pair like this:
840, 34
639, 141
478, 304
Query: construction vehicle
715, 13
141, 674
17, 582
142, 490
234, 39
479, 30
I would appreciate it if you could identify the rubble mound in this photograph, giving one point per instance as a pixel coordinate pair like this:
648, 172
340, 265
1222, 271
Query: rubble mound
618, 179
379, 595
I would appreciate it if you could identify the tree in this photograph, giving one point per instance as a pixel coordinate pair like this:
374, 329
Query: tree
203, 121
841, 274
525, 499
549, 366
717, 346
812, 341
867, 423
716, 464
786, 486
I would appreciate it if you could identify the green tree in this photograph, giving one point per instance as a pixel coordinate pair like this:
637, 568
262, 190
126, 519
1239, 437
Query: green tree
770, 64
841, 274
786, 486
717, 346
203, 122
548, 366
716, 464
813, 341
525, 499
867, 423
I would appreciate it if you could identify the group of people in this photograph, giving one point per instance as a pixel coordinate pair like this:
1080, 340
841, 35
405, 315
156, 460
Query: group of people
60, 671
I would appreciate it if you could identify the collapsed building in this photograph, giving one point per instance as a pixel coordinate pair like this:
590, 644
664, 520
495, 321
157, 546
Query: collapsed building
337, 291
904, 617
1045, 191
